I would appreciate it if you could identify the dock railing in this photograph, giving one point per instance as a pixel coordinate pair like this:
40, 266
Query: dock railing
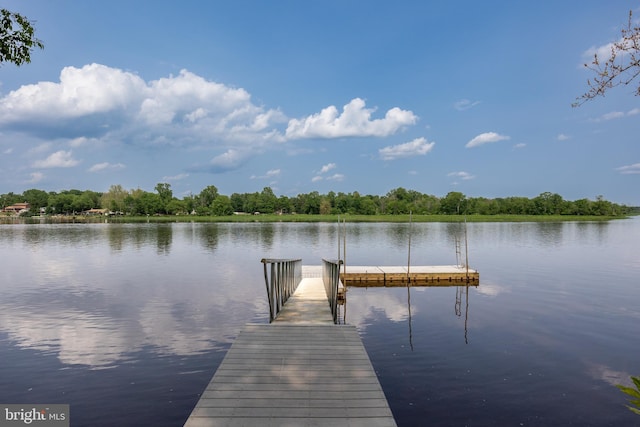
331, 279
281, 277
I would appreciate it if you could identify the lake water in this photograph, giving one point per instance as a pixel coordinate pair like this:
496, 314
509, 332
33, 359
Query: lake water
128, 322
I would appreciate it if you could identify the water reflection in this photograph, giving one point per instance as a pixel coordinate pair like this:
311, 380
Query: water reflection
99, 330
164, 238
462, 293
409, 313
553, 324
94, 295
208, 236
367, 303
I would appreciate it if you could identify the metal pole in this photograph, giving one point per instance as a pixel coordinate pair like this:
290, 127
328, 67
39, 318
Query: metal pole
266, 281
344, 251
466, 247
339, 237
409, 252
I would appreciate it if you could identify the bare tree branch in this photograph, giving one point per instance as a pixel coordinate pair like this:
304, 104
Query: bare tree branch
621, 67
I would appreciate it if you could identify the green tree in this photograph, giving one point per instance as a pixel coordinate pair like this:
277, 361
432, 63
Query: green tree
308, 203
454, 203
148, 204
176, 207
621, 66
166, 195
114, 198
516, 206
81, 203
131, 201
602, 206
37, 199
62, 203
548, 204
342, 202
483, 206
398, 201
580, 207
205, 199
17, 38
221, 206
189, 204
283, 205
251, 203
9, 199
325, 206
368, 206
238, 202
268, 201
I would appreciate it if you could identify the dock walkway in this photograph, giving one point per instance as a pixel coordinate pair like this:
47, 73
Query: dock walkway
300, 370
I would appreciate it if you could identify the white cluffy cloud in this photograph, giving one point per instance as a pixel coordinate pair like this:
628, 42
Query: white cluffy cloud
326, 168
270, 174
99, 167
604, 51
35, 177
629, 169
485, 138
462, 175
323, 170
417, 147
177, 177
96, 106
59, 159
335, 177
354, 121
97, 101
617, 115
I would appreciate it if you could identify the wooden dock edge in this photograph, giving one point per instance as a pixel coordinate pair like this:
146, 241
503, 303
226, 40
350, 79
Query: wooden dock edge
398, 276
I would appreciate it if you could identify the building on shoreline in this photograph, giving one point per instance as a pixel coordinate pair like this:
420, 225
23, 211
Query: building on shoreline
17, 208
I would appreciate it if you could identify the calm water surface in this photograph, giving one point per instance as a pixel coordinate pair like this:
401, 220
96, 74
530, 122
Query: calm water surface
128, 322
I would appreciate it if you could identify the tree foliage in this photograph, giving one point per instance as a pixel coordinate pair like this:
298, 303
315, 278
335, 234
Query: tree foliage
17, 38
634, 393
395, 202
620, 66
114, 198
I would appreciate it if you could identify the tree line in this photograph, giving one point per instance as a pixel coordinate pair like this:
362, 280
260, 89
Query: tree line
209, 202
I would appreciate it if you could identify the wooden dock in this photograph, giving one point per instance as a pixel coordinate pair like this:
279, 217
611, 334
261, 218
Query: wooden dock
432, 275
300, 370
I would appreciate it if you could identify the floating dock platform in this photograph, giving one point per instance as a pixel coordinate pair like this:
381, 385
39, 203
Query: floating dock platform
432, 275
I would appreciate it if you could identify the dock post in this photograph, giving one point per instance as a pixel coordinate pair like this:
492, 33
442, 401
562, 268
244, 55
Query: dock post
409, 251
466, 247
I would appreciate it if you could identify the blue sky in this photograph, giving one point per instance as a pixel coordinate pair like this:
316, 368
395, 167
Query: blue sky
367, 96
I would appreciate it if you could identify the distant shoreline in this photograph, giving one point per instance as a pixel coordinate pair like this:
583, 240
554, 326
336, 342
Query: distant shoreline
307, 218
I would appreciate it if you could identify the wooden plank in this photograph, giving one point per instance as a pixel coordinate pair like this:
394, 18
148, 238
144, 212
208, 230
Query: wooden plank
307, 305
295, 384
429, 275
289, 394
301, 370
286, 422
